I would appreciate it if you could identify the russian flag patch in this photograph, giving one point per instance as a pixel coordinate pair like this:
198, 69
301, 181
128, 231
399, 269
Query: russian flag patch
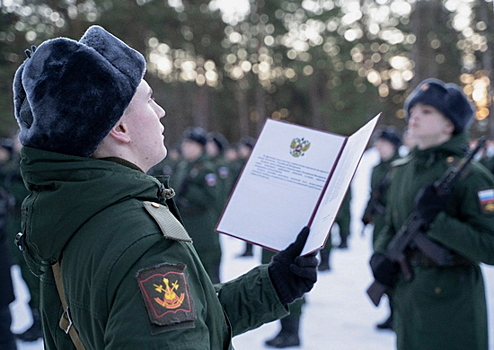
486, 199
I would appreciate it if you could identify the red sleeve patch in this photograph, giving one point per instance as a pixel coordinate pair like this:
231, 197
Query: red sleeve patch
165, 291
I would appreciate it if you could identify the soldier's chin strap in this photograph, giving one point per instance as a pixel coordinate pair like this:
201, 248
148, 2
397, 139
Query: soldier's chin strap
66, 323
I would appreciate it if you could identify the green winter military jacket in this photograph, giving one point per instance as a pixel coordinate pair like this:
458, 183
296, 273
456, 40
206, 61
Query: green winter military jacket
131, 276
443, 307
196, 189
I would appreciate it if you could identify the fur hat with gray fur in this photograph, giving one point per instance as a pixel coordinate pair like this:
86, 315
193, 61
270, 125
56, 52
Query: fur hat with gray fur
69, 94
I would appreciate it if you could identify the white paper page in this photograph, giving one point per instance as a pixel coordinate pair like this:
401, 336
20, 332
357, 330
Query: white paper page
338, 185
279, 188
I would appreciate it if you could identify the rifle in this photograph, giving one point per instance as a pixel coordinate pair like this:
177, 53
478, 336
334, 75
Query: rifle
411, 233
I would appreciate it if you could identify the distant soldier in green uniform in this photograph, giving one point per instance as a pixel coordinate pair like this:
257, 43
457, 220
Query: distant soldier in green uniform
230, 155
215, 149
116, 267
195, 183
343, 219
443, 306
387, 142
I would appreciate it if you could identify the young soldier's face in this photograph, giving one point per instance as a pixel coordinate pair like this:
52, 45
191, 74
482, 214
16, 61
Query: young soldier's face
385, 148
191, 150
428, 126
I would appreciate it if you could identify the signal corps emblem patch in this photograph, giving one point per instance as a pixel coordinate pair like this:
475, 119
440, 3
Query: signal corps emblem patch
166, 294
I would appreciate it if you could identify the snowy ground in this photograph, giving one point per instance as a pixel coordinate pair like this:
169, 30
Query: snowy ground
338, 315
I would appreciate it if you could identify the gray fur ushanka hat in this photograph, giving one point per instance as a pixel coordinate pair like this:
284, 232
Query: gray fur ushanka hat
448, 98
69, 94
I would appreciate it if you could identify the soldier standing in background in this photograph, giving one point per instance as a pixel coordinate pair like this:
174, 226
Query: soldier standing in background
387, 142
195, 183
343, 219
443, 306
215, 148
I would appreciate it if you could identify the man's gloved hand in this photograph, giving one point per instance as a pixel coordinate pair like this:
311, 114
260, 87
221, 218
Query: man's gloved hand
293, 275
383, 269
428, 203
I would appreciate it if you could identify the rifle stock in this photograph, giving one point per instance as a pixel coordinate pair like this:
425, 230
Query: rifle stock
376, 291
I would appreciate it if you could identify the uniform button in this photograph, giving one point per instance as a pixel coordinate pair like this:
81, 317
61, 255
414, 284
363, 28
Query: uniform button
450, 159
156, 205
437, 290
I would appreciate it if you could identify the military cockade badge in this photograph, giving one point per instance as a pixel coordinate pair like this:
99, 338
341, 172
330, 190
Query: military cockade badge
299, 146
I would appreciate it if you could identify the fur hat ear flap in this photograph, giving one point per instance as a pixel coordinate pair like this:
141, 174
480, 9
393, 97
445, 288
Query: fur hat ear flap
68, 94
20, 100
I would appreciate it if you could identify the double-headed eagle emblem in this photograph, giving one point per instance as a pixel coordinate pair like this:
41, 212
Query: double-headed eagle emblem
299, 146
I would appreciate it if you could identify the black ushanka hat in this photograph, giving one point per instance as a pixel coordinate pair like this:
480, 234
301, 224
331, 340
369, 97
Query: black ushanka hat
448, 98
69, 94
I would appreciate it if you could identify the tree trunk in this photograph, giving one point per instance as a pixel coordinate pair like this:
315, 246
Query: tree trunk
243, 109
200, 107
485, 15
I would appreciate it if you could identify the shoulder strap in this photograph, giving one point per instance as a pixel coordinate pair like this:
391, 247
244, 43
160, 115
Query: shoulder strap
168, 223
65, 320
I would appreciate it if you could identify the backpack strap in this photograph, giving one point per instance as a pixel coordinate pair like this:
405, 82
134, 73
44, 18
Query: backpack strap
66, 323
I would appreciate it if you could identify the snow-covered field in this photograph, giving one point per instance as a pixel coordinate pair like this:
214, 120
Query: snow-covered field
338, 314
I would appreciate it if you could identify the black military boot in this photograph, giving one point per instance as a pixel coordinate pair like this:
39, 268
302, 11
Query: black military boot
288, 335
343, 243
324, 263
248, 251
388, 324
34, 332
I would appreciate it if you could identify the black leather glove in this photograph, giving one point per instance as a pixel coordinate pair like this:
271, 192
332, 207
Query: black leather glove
428, 203
293, 275
383, 269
